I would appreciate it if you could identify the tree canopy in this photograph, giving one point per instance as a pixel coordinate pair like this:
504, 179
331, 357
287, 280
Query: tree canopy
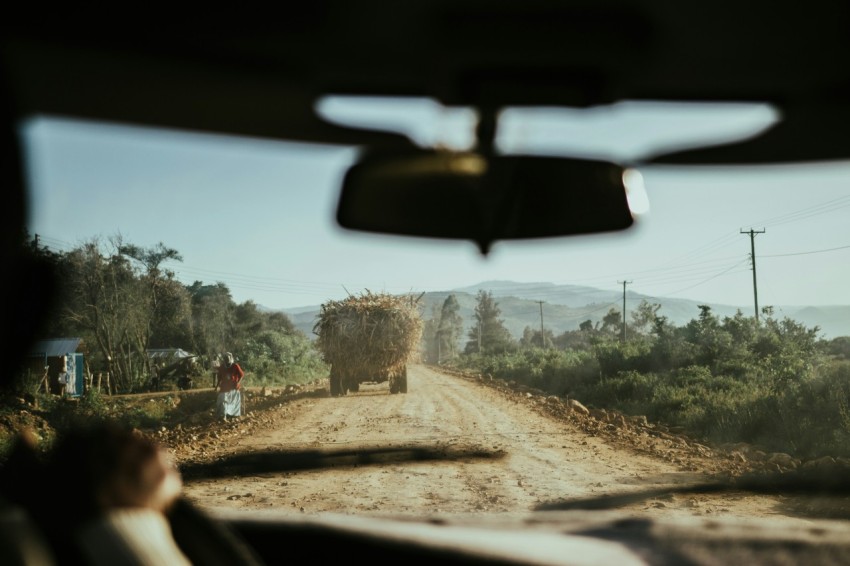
121, 300
488, 335
449, 329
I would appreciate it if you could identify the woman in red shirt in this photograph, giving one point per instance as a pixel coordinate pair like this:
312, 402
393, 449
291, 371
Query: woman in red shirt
229, 387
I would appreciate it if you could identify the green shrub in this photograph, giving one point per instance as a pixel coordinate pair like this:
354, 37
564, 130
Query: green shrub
278, 358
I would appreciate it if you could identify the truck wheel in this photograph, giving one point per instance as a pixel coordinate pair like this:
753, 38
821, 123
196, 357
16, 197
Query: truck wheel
393, 385
402, 382
353, 386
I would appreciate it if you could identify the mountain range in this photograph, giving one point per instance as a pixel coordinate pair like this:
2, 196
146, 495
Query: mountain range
564, 307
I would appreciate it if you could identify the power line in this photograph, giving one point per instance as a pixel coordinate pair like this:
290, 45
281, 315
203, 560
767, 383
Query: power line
724, 272
596, 309
723, 241
814, 210
809, 252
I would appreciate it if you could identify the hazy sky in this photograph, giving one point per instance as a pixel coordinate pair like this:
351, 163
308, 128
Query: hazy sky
258, 215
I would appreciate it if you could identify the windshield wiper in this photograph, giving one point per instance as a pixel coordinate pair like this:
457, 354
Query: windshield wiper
808, 483
278, 461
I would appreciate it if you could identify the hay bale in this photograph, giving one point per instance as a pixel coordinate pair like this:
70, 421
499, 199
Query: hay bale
370, 333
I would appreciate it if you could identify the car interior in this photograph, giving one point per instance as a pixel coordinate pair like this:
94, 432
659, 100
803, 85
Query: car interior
246, 75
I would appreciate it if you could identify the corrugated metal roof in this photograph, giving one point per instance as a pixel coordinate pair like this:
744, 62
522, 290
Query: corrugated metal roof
168, 353
55, 347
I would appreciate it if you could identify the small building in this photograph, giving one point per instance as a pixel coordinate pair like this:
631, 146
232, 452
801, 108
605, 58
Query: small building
61, 363
168, 355
173, 366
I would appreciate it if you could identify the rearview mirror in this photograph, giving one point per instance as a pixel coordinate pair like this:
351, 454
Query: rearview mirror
469, 196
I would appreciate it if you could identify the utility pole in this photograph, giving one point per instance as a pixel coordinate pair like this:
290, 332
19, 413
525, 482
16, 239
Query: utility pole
479, 336
752, 234
542, 337
623, 335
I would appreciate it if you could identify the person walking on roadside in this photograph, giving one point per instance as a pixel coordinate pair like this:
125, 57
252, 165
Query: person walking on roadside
229, 387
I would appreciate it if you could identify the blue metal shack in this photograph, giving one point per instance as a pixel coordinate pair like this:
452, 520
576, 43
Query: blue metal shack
45, 356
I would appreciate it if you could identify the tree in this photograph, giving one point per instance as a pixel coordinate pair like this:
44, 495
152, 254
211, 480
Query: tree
532, 338
429, 344
212, 315
172, 320
644, 317
102, 300
612, 323
837, 347
742, 328
711, 341
280, 322
119, 299
247, 319
162, 304
670, 349
488, 335
449, 329
278, 357
787, 351
576, 340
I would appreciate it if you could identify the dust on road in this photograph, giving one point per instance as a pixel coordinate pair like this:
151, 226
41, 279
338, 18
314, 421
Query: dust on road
538, 456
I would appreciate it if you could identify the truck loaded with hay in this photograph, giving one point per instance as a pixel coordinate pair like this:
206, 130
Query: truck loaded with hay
369, 338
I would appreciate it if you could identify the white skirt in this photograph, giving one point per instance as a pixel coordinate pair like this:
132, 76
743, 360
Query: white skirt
229, 404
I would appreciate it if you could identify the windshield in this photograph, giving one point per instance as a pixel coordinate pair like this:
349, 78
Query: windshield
707, 342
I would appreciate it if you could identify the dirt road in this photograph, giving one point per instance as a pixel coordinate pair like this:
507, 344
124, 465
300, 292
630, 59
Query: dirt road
536, 457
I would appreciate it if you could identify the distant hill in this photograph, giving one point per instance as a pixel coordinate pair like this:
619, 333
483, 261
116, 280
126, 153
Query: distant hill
567, 306
833, 320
